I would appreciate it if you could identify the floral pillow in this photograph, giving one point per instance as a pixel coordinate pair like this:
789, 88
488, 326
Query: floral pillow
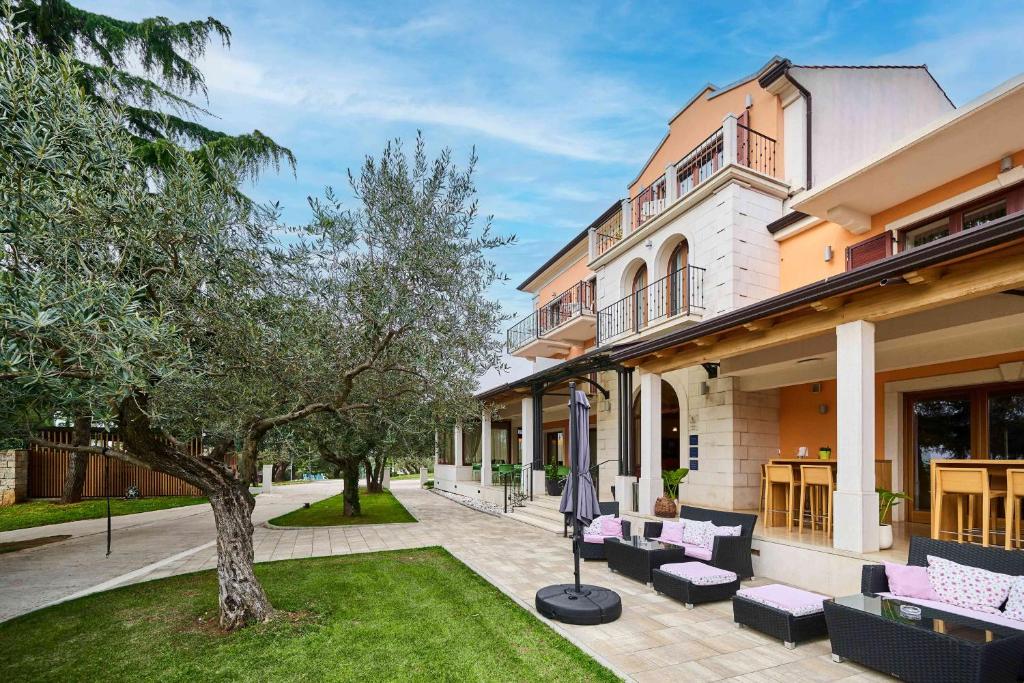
1015, 603
594, 528
970, 587
698, 533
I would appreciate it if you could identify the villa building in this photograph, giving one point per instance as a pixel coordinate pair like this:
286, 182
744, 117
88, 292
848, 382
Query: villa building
812, 257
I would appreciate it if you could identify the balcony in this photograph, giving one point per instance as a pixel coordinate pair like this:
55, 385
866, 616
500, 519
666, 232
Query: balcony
551, 330
732, 144
679, 295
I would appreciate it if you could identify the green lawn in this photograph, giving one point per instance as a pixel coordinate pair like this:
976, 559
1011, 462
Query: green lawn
405, 615
377, 508
400, 477
40, 512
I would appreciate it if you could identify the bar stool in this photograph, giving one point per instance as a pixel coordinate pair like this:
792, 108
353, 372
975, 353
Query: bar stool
1014, 491
762, 502
818, 479
779, 474
965, 482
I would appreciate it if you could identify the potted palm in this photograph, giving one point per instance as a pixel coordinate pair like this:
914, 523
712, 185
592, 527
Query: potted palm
887, 500
665, 506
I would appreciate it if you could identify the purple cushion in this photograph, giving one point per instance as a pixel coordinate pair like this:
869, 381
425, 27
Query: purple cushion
697, 551
611, 526
699, 574
593, 538
672, 532
909, 581
797, 602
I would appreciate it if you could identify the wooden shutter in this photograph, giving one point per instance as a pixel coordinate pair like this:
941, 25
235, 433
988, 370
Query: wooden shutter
869, 251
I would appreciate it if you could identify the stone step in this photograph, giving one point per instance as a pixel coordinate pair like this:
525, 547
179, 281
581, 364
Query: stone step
535, 519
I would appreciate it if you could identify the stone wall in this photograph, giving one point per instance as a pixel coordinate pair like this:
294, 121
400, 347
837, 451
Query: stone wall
13, 477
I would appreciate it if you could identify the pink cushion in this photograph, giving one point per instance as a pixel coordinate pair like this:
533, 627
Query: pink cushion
611, 526
909, 581
699, 574
672, 532
697, 551
998, 618
970, 587
1015, 603
593, 538
793, 600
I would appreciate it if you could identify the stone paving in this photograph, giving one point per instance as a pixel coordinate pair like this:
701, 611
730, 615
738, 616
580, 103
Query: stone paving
656, 639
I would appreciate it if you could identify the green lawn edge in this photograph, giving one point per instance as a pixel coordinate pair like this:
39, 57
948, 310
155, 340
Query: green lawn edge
377, 508
36, 513
418, 614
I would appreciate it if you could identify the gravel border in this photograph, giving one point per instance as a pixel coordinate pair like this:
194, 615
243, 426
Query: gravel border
471, 503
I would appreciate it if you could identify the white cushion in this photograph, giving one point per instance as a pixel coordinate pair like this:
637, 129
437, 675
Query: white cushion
970, 587
1015, 603
698, 533
594, 528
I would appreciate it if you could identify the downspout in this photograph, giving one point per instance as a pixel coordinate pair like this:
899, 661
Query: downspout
807, 101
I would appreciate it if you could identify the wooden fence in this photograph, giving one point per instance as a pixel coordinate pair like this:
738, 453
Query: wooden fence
47, 468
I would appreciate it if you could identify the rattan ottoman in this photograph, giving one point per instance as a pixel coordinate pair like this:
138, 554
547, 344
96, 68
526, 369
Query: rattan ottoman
692, 583
777, 622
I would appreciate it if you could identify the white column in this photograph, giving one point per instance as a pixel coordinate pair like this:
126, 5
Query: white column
626, 217
437, 448
268, 478
856, 503
650, 441
592, 244
671, 184
729, 139
526, 451
458, 445
485, 448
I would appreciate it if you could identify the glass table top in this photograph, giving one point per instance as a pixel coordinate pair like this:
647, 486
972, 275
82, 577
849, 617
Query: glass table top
933, 620
646, 543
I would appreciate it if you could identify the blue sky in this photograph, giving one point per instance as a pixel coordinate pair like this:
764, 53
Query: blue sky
563, 101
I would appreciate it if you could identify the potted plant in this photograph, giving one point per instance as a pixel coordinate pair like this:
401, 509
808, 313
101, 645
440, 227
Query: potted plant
887, 500
554, 478
665, 506
825, 452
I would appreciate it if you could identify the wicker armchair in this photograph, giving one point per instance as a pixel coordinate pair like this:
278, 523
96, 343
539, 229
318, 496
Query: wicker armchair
595, 551
728, 552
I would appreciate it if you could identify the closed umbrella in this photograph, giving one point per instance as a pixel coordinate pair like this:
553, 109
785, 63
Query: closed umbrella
585, 505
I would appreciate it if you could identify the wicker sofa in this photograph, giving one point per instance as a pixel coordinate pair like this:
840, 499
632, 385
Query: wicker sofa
918, 655
728, 552
595, 551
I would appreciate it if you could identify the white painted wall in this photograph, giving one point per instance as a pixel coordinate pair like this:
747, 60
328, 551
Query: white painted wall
859, 112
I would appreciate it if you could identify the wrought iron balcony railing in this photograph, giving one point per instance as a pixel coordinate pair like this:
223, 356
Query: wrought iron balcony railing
679, 293
575, 301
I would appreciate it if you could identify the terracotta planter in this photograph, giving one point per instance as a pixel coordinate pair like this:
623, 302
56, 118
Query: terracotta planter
665, 507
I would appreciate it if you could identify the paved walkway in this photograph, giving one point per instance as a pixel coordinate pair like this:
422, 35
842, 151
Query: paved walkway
656, 639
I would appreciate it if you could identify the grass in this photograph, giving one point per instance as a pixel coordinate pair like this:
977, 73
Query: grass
377, 508
401, 477
41, 512
408, 615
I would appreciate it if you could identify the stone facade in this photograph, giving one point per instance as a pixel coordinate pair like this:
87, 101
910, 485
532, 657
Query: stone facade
13, 477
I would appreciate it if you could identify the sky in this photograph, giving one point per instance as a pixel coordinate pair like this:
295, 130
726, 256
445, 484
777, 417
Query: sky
563, 102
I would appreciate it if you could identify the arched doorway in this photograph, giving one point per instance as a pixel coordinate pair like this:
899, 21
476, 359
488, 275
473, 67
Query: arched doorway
639, 292
677, 278
671, 433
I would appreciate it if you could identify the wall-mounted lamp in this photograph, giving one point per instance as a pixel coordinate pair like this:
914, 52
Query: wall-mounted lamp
1005, 164
648, 244
823, 408
828, 253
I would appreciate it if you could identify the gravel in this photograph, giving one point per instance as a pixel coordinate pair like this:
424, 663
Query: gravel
472, 503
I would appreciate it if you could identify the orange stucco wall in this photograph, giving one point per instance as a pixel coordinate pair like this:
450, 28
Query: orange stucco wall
801, 424
570, 277
703, 117
802, 256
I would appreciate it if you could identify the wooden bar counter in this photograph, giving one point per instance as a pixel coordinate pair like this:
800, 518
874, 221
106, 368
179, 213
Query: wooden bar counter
996, 480
883, 473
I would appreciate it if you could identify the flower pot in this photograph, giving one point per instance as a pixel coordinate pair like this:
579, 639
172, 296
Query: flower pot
884, 536
825, 453
553, 487
665, 507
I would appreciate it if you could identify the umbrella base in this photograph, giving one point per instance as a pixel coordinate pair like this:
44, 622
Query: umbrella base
592, 605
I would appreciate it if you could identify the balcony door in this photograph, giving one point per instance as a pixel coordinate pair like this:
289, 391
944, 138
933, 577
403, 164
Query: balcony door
639, 291
677, 285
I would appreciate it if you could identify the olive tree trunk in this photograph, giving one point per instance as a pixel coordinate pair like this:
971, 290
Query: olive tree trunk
74, 481
350, 494
242, 598
375, 474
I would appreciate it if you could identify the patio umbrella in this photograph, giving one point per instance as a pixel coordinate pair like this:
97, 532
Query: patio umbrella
584, 505
577, 603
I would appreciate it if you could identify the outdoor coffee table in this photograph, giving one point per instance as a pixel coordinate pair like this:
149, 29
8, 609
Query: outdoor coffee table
637, 556
940, 646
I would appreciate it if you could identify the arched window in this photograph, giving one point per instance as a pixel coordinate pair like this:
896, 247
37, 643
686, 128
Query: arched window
677, 278
639, 291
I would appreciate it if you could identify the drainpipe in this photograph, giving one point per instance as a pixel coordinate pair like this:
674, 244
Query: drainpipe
807, 102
